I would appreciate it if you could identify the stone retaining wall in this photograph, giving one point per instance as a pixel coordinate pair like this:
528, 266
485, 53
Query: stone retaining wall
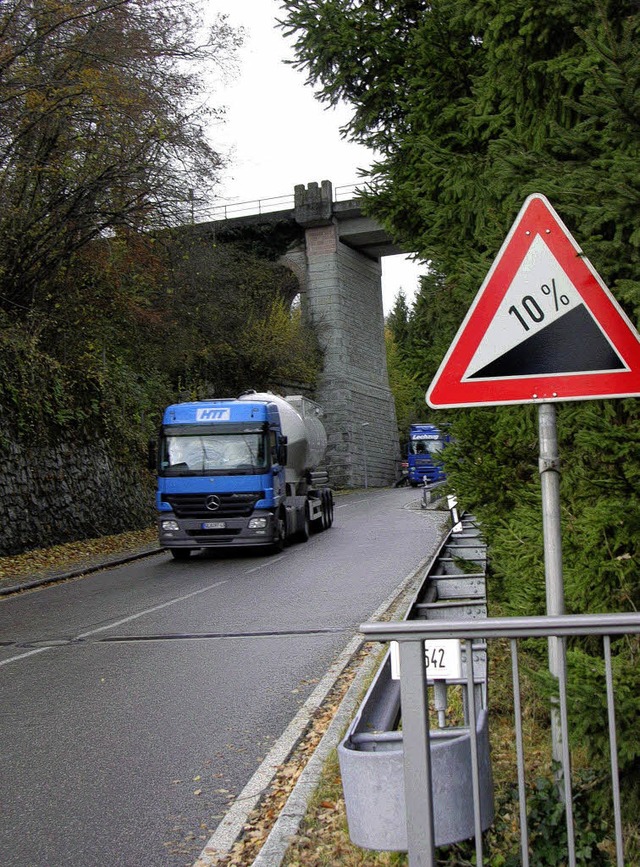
68, 492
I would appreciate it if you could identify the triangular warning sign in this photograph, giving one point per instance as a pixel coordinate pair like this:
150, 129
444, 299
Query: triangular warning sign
543, 326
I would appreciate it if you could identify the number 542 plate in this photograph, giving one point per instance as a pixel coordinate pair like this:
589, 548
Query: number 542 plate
442, 659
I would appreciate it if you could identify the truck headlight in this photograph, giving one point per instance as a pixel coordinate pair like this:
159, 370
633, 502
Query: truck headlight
169, 525
257, 523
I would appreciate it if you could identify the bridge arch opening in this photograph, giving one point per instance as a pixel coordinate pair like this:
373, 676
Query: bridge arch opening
400, 272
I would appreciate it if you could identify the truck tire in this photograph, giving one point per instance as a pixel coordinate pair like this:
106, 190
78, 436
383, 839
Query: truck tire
330, 503
324, 520
327, 509
305, 529
280, 539
180, 553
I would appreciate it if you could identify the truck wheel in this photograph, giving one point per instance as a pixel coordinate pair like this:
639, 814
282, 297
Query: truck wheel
324, 520
280, 537
305, 530
330, 508
180, 553
326, 510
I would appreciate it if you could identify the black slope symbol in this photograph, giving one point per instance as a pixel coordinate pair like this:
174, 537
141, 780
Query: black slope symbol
573, 343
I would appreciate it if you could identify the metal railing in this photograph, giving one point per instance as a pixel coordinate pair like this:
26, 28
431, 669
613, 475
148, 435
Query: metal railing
255, 206
274, 203
411, 636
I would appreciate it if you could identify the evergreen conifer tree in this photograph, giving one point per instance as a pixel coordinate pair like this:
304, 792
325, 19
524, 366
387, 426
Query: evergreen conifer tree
472, 107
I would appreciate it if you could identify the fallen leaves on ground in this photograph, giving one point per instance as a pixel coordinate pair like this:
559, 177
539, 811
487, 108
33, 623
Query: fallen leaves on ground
262, 819
45, 562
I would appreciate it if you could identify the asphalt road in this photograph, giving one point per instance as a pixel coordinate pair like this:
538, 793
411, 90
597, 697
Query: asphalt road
138, 701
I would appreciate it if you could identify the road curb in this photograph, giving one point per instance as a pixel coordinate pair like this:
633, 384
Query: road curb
288, 823
76, 573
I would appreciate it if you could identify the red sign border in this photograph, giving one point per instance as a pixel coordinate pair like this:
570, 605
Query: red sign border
537, 217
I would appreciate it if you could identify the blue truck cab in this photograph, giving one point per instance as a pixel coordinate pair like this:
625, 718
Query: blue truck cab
224, 476
426, 441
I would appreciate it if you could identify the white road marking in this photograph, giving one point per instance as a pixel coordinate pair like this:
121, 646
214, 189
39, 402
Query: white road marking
225, 835
122, 620
24, 655
269, 562
152, 610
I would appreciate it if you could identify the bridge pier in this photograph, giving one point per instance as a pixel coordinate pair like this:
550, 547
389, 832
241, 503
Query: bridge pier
342, 296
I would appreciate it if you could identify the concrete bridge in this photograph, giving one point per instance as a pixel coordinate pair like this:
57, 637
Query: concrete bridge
335, 256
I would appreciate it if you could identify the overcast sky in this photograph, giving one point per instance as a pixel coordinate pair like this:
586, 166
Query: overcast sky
278, 135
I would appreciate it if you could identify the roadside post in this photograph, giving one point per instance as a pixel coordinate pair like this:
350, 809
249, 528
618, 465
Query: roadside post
543, 328
549, 467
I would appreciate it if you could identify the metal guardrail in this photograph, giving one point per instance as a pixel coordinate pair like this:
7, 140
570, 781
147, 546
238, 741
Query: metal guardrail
256, 206
371, 754
417, 737
275, 203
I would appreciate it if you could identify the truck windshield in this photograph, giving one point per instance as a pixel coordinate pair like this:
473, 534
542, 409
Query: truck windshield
213, 453
425, 447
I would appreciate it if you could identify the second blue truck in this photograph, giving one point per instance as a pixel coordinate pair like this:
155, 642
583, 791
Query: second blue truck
426, 442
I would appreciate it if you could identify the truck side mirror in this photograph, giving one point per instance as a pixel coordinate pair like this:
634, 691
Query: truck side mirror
282, 450
152, 450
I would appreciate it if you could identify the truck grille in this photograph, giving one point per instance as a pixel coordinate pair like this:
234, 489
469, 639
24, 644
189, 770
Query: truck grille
231, 505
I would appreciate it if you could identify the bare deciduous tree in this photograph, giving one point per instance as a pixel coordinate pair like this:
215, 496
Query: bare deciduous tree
102, 128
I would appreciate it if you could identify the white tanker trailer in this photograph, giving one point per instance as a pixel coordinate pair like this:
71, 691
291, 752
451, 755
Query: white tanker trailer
240, 471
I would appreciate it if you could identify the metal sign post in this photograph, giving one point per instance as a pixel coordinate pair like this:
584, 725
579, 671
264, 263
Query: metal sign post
549, 466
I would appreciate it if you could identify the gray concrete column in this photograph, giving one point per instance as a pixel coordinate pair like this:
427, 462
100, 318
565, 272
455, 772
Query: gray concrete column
343, 292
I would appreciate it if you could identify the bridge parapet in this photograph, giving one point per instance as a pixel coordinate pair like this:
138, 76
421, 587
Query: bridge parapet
313, 204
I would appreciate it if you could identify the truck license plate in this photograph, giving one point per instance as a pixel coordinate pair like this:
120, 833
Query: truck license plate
213, 525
